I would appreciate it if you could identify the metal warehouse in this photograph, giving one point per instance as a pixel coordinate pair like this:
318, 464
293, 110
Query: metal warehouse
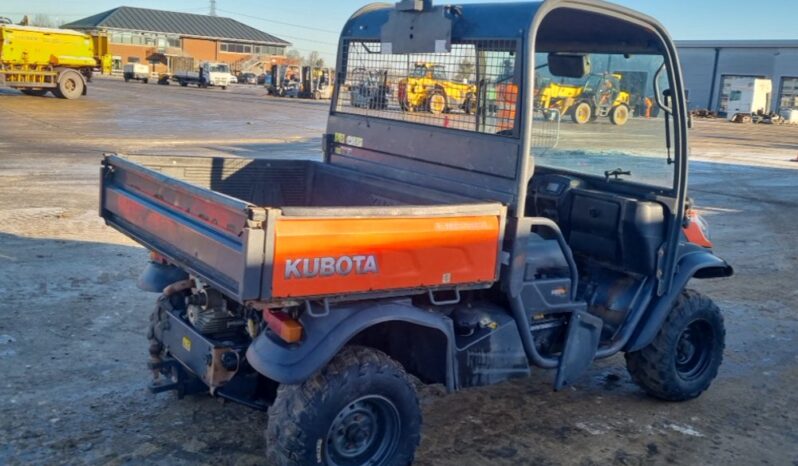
167, 39
710, 66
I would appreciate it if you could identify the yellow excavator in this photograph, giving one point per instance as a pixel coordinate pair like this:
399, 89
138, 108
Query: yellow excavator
428, 88
599, 96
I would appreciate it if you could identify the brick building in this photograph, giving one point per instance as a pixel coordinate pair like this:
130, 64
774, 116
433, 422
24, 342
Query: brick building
171, 41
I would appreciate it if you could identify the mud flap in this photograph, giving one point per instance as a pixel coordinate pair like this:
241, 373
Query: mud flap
581, 344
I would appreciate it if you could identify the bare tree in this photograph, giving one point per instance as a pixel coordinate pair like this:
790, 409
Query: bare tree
44, 21
293, 55
314, 59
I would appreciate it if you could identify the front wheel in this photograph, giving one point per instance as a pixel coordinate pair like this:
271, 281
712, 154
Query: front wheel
361, 408
684, 357
436, 103
619, 115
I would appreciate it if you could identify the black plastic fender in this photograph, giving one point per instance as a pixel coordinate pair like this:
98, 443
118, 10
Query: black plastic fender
156, 276
324, 336
698, 263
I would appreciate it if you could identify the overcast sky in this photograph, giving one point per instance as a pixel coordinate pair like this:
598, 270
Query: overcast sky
314, 24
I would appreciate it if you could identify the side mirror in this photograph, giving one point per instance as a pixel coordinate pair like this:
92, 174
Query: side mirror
569, 65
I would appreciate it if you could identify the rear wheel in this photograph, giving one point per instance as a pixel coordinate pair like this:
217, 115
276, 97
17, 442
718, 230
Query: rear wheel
684, 357
360, 409
582, 113
470, 104
70, 85
436, 103
619, 115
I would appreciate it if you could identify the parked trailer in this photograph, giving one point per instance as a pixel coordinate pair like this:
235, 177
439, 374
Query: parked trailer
40, 60
744, 95
137, 72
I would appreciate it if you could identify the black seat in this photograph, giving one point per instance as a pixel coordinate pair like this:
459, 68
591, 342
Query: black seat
615, 229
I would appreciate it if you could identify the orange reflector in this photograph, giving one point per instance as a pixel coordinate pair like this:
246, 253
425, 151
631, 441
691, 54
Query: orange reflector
285, 327
157, 258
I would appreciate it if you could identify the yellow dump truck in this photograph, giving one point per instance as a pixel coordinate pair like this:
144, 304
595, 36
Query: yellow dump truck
40, 60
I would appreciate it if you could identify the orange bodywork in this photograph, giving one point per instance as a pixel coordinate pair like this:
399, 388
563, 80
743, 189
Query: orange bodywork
693, 231
506, 98
331, 256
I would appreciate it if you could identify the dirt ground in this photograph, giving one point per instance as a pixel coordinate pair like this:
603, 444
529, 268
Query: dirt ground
72, 323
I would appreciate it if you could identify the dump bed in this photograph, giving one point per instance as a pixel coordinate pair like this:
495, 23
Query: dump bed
30, 45
274, 230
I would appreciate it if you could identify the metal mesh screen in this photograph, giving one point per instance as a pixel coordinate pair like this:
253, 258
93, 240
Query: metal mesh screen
545, 129
473, 88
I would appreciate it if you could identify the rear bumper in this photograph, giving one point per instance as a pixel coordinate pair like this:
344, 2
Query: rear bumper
200, 355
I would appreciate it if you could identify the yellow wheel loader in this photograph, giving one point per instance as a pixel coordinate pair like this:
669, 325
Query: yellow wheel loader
428, 88
600, 96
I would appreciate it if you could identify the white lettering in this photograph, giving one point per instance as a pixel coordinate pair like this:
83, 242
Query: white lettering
359, 263
344, 265
292, 268
329, 266
310, 273
371, 265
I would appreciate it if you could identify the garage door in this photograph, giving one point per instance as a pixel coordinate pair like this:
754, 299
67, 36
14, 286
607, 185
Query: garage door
788, 97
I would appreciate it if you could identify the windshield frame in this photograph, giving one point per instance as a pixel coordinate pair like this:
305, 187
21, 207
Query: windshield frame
594, 80
674, 199
677, 190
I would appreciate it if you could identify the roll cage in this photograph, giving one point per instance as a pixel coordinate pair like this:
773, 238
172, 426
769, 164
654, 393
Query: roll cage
491, 166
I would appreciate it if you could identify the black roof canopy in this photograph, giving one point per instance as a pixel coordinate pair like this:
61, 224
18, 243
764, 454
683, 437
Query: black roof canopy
185, 24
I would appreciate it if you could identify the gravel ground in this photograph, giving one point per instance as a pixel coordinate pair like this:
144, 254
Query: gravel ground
72, 323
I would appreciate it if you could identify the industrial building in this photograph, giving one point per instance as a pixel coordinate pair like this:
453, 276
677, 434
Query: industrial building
172, 41
710, 66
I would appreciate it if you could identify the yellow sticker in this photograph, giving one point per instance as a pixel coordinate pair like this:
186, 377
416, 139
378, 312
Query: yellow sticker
186, 344
340, 138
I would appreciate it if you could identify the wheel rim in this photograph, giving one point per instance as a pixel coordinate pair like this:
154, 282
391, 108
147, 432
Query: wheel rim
437, 103
70, 85
365, 431
583, 113
621, 115
694, 350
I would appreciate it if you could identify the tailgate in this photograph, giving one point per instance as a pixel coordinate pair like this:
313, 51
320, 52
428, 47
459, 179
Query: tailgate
376, 250
214, 236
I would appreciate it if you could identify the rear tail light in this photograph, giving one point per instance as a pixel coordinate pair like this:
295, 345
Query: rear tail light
288, 329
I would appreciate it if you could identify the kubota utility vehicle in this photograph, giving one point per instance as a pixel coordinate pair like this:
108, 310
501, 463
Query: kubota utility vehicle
454, 249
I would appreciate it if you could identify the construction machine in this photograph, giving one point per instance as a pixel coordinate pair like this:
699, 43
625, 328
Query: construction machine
600, 96
428, 88
286, 81
40, 60
317, 82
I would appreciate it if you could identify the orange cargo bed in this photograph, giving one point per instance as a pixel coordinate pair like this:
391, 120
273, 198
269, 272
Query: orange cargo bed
431, 248
276, 231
